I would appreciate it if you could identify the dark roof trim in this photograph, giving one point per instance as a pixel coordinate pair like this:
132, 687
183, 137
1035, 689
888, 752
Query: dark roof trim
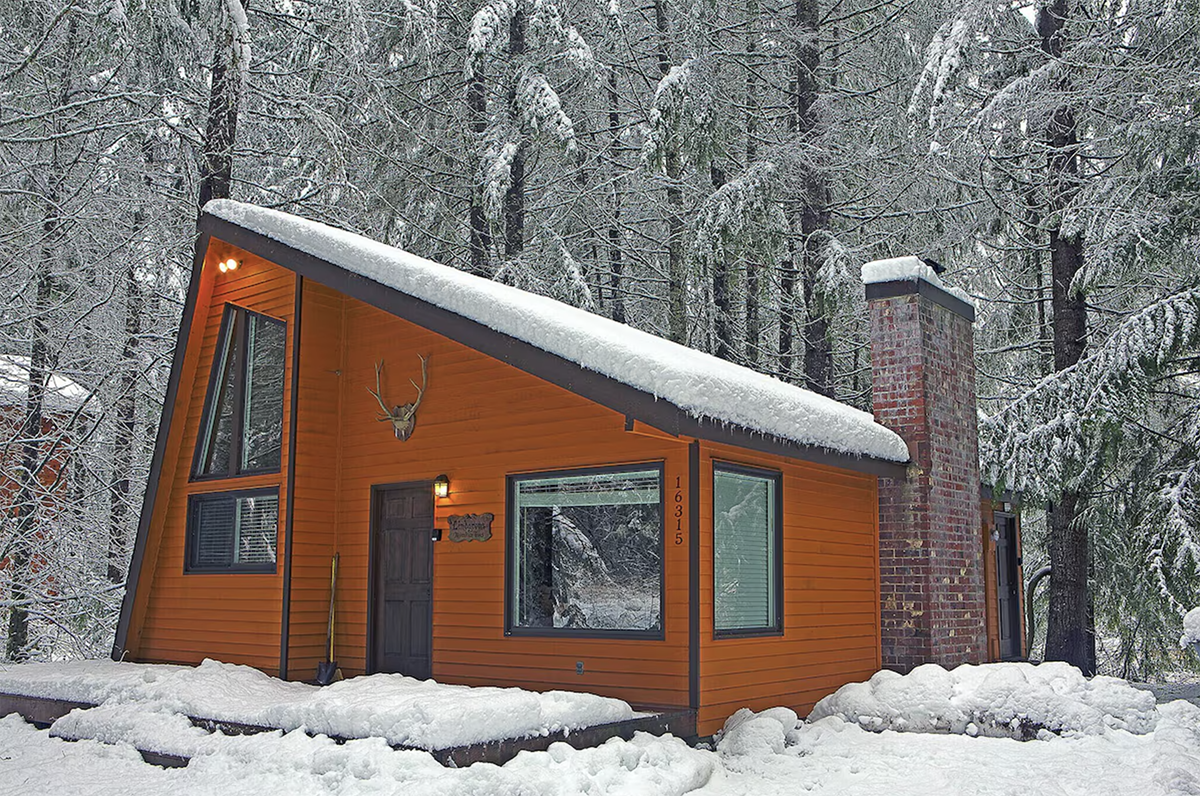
550, 367
285, 620
988, 492
160, 447
906, 287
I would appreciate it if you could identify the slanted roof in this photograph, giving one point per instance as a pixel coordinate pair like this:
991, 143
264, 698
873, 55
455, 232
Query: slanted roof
666, 385
61, 395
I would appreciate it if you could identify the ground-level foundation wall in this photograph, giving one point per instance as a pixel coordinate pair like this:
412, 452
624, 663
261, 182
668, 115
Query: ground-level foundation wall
185, 618
479, 421
830, 593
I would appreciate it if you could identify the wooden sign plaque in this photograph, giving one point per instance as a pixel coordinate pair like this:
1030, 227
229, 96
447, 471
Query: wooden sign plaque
470, 527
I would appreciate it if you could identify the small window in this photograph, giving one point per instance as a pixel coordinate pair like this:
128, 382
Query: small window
747, 565
233, 531
242, 425
585, 552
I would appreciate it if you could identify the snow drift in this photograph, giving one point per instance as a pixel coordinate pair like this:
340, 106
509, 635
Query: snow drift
1015, 700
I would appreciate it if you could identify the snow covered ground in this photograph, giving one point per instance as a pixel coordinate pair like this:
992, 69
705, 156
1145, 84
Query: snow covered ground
399, 709
764, 754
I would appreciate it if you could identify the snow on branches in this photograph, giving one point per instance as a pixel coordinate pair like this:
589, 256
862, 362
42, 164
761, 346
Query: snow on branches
541, 109
1059, 431
681, 114
743, 214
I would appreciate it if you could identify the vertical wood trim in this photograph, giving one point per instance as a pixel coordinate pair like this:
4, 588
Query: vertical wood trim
138, 560
294, 402
694, 575
878, 578
372, 561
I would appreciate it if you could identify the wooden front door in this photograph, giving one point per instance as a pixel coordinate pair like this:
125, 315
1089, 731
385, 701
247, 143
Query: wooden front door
1008, 587
402, 640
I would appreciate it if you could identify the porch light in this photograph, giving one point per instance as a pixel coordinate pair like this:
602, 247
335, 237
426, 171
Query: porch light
228, 265
441, 486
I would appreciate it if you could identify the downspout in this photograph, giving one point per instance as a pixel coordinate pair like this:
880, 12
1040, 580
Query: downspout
1030, 626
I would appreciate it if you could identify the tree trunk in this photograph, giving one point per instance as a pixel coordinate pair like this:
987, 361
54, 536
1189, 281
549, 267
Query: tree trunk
126, 429
216, 176
722, 301
809, 218
676, 276
616, 263
481, 239
24, 509
514, 197
750, 298
818, 345
1070, 635
753, 318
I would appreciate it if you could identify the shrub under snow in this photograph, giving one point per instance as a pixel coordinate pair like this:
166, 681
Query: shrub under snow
750, 733
1191, 628
1016, 700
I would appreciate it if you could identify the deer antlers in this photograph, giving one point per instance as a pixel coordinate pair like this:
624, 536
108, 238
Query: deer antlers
403, 418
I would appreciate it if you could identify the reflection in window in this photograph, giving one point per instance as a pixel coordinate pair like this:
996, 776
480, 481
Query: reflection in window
745, 548
233, 531
587, 551
243, 431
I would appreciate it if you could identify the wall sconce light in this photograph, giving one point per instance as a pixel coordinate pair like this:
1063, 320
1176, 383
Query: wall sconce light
228, 265
441, 486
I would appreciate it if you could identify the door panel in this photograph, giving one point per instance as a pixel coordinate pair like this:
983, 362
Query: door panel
1008, 587
403, 581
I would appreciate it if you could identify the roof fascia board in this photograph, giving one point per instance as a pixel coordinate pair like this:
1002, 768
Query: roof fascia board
589, 384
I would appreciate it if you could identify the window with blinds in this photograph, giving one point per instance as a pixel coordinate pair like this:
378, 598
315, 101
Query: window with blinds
242, 426
233, 531
586, 551
747, 566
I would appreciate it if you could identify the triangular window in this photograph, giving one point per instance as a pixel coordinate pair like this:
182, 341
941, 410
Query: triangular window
241, 431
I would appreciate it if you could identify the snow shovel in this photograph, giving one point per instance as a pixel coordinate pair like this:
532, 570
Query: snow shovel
327, 670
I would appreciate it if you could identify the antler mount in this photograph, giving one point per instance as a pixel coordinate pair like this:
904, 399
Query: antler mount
403, 418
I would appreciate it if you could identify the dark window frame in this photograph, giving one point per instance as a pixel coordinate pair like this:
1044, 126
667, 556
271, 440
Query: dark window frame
193, 503
230, 325
510, 555
777, 628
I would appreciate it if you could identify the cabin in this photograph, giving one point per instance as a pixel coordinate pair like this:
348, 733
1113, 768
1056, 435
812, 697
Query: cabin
521, 493
64, 408
64, 412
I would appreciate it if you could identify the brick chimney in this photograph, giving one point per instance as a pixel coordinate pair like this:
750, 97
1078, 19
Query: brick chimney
930, 543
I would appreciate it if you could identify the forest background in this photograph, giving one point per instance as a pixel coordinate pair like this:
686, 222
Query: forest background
714, 172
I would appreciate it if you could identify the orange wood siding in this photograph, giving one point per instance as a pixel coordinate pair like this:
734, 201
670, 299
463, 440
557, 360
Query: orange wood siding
316, 486
235, 617
831, 593
481, 420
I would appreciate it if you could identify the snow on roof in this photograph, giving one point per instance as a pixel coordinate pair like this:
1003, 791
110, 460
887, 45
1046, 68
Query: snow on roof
698, 383
908, 269
62, 394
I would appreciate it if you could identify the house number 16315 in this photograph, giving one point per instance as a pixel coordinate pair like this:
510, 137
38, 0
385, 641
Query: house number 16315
678, 511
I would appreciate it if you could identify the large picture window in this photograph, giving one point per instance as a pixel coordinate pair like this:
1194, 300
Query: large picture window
747, 566
585, 552
233, 531
242, 427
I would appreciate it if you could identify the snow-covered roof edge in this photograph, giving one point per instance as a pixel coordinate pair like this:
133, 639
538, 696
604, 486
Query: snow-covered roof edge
719, 396
62, 393
909, 269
